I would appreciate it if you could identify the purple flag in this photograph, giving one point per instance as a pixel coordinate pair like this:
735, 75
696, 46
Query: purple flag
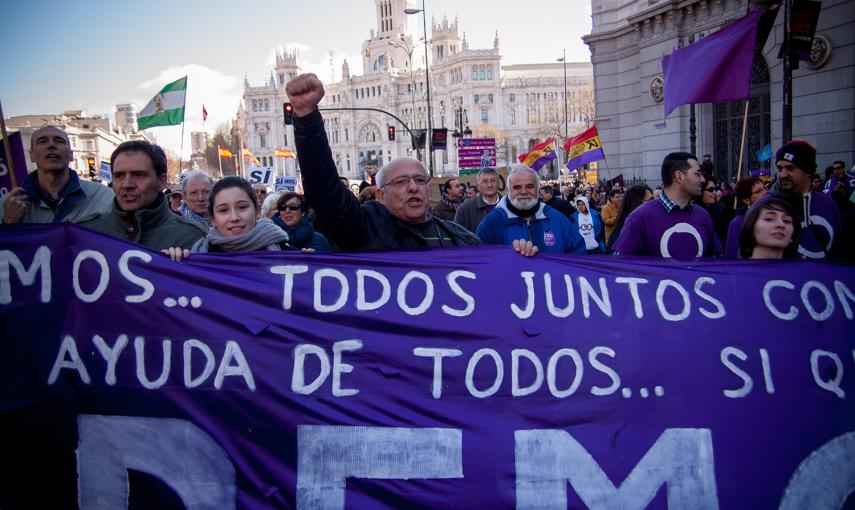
715, 69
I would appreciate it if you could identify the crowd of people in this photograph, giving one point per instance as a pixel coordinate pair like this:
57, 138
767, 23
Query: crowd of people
691, 215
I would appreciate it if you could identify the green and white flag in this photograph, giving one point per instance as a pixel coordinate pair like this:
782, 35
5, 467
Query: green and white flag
167, 107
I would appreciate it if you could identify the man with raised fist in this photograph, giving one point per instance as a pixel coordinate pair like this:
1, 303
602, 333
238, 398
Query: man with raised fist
400, 216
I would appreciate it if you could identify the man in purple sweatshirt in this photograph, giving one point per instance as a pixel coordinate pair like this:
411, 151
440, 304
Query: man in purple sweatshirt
672, 226
817, 212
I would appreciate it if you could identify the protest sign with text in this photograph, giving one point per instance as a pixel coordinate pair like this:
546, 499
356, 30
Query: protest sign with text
467, 378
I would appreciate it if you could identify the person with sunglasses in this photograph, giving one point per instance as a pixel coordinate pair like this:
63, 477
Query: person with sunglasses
297, 223
720, 211
671, 227
398, 218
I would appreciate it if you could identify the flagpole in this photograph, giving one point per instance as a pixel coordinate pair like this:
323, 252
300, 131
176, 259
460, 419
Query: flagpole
10, 165
742, 140
220, 160
181, 151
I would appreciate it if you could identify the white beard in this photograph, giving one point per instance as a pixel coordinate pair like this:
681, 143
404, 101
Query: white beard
523, 203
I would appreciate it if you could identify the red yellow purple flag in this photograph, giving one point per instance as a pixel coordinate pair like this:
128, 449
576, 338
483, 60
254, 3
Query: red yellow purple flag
539, 155
204, 113
584, 148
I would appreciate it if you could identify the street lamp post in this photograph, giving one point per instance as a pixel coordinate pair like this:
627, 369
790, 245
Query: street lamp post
566, 124
429, 136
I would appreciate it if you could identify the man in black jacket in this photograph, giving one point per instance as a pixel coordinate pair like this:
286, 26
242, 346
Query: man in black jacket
547, 194
399, 218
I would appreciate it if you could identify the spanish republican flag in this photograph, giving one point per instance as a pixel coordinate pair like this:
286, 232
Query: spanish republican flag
204, 113
539, 155
245, 153
584, 148
225, 153
283, 153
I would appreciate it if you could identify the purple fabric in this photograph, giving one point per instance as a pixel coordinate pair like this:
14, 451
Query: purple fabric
715, 69
16, 145
585, 158
731, 245
688, 233
655, 399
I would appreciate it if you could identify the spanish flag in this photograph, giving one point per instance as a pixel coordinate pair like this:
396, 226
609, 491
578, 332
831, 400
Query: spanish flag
283, 153
245, 153
539, 155
225, 153
584, 148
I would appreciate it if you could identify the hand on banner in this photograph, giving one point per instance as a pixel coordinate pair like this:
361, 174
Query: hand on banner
15, 206
176, 254
305, 92
525, 248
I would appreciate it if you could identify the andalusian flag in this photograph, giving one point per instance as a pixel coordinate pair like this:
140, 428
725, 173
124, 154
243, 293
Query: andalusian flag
167, 107
283, 153
584, 148
539, 155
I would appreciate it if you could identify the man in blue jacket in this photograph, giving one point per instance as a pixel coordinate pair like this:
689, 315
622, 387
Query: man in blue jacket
520, 219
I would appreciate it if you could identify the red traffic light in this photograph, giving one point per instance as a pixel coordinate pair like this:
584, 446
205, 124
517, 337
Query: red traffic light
391, 131
288, 109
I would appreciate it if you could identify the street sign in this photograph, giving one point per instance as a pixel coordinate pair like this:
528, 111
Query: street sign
476, 152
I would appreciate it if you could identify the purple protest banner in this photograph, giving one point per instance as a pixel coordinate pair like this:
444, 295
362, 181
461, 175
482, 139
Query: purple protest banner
457, 378
16, 145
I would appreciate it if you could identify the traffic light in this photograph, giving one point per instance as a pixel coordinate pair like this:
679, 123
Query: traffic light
90, 162
289, 113
391, 130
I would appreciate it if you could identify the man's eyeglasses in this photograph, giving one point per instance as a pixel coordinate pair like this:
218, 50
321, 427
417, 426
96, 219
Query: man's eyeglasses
290, 208
711, 190
403, 180
261, 191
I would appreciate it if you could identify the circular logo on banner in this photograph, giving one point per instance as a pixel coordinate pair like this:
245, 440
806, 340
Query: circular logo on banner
820, 222
549, 238
680, 228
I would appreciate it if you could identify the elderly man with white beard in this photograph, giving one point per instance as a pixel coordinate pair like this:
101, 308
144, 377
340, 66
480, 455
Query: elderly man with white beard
521, 220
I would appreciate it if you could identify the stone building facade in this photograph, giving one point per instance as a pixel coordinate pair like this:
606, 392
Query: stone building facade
470, 89
628, 40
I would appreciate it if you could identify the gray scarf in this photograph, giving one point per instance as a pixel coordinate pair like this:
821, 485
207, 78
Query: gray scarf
264, 236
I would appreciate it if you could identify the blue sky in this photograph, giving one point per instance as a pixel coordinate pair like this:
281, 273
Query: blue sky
91, 55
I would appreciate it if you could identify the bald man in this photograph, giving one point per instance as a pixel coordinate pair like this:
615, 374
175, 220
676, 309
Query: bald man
54, 193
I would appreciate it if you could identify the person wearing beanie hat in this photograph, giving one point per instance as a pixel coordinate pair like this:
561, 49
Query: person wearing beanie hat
817, 213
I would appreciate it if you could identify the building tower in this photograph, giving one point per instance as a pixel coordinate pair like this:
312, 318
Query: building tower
445, 39
286, 67
391, 45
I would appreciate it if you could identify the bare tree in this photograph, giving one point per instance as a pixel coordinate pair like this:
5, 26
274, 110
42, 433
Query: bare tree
221, 138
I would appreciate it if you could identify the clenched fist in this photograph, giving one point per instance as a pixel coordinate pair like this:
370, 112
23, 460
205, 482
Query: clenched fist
305, 92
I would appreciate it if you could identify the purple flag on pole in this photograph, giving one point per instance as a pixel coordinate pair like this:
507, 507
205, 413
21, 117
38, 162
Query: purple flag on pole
715, 69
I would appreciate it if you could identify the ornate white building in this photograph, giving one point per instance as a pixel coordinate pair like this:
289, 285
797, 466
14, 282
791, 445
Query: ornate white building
628, 40
519, 105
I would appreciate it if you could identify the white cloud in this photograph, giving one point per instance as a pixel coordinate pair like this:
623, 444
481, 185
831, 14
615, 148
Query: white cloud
310, 61
220, 92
